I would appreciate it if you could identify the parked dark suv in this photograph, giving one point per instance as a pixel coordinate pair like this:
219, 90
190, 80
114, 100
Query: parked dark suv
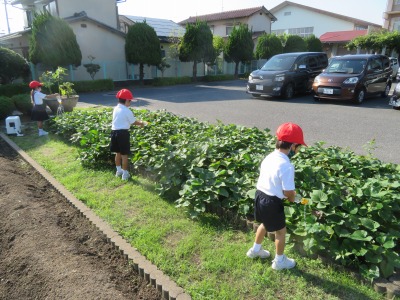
286, 74
354, 77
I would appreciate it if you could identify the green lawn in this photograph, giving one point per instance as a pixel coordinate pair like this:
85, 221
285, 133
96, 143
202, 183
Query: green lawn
207, 257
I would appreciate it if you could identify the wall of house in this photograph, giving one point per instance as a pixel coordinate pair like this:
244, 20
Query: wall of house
259, 22
300, 18
107, 48
107, 9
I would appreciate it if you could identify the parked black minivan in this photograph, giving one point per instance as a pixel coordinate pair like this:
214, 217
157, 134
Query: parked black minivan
286, 74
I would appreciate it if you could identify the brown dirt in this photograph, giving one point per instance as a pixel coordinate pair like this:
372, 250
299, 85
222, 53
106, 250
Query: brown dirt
48, 251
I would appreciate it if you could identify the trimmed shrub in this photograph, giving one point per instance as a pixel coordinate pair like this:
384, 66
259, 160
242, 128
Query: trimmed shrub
10, 90
23, 103
6, 107
171, 81
93, 85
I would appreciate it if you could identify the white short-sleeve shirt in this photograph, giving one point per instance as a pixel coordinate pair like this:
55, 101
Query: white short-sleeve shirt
38, 97
276, 175
123, 117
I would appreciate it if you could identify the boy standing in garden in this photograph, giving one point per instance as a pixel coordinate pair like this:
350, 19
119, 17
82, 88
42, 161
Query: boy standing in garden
122, 120
275, 183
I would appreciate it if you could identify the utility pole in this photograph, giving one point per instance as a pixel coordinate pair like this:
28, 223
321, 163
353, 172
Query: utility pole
8, 24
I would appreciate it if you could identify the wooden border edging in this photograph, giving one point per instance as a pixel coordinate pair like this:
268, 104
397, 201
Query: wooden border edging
169, 289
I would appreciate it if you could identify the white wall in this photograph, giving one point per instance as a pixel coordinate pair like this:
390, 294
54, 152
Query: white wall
300, 17
103, 10
259, 22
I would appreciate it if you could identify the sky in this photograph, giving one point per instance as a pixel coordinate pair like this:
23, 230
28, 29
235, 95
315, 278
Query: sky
179, 10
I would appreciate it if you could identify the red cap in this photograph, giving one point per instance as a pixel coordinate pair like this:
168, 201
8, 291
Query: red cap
124, 94
34, 84
290, 132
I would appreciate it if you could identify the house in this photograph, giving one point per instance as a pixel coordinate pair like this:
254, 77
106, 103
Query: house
332, 29
258, 19
304, 21
392, 15
169, 34
97, 37
334, 42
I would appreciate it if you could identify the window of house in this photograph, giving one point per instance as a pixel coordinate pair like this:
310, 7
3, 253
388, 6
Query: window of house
303, 32
360, 27
396, 26
287, 13
229, 30
29, 17
278, 31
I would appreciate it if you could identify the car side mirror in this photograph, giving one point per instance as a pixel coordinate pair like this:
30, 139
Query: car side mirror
303, 68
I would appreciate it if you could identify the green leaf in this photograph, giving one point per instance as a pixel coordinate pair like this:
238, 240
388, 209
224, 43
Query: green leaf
370, 224
360, 235
223, 192
318, 196
386, 267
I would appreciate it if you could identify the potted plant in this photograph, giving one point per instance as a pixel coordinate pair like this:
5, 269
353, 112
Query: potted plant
69, 98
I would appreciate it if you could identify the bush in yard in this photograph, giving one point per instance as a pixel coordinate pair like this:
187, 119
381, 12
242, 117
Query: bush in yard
12, 66
23, 103
353, 211
6, 107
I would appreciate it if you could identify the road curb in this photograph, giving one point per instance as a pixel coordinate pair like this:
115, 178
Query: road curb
168, 288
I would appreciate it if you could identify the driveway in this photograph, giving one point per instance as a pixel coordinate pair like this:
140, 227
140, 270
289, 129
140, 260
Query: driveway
337, 123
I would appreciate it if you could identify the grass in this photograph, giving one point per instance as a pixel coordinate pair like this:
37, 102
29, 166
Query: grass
207, 256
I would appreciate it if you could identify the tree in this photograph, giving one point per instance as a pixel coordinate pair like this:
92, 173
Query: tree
53, 43
197, 45
268, 45
295, 43
12, 66
92, 68
313, 44
163, 65
142, 46
239, 47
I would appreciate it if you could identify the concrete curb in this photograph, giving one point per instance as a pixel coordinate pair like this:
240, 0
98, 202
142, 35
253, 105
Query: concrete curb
168, 289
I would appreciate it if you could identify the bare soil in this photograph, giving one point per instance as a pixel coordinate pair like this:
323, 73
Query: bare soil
48, 251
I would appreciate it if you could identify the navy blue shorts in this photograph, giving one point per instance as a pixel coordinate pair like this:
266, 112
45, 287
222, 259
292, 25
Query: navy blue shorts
270, 211
120, 141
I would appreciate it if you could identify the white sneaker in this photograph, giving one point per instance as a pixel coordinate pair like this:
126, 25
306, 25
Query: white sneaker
261, 254
42, 133
118, 174
286, 263
125, 176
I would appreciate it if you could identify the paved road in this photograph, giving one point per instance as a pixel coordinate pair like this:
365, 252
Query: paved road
336, 123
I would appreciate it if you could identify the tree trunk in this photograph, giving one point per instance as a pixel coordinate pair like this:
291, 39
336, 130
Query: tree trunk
141, 74
194, 71
236, 69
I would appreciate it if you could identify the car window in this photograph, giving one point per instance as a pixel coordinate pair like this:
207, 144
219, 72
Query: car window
312, 62
279, 63
323, 60
348, 66
386, 62
375, 64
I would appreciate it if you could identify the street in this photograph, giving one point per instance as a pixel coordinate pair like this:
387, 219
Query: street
337, 123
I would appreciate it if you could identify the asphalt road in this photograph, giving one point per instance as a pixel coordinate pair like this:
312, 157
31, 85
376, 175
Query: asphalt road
337, 123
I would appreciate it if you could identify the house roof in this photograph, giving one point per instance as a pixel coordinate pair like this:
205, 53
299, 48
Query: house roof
227, 15
324, 12
162, 27
341, 36
82, 16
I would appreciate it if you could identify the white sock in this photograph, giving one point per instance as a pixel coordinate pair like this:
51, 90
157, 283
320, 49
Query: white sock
119, 169
279, 257
256, 247
125, 172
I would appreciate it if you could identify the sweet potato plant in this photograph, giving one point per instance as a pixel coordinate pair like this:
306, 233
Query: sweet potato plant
353, 211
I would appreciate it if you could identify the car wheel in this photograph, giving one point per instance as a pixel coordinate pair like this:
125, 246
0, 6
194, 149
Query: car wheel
288, 91
360, 96
385, 93
317, 99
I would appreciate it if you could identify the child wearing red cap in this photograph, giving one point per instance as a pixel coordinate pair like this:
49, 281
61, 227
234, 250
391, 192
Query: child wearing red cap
39, 113
275, 183
122, 120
